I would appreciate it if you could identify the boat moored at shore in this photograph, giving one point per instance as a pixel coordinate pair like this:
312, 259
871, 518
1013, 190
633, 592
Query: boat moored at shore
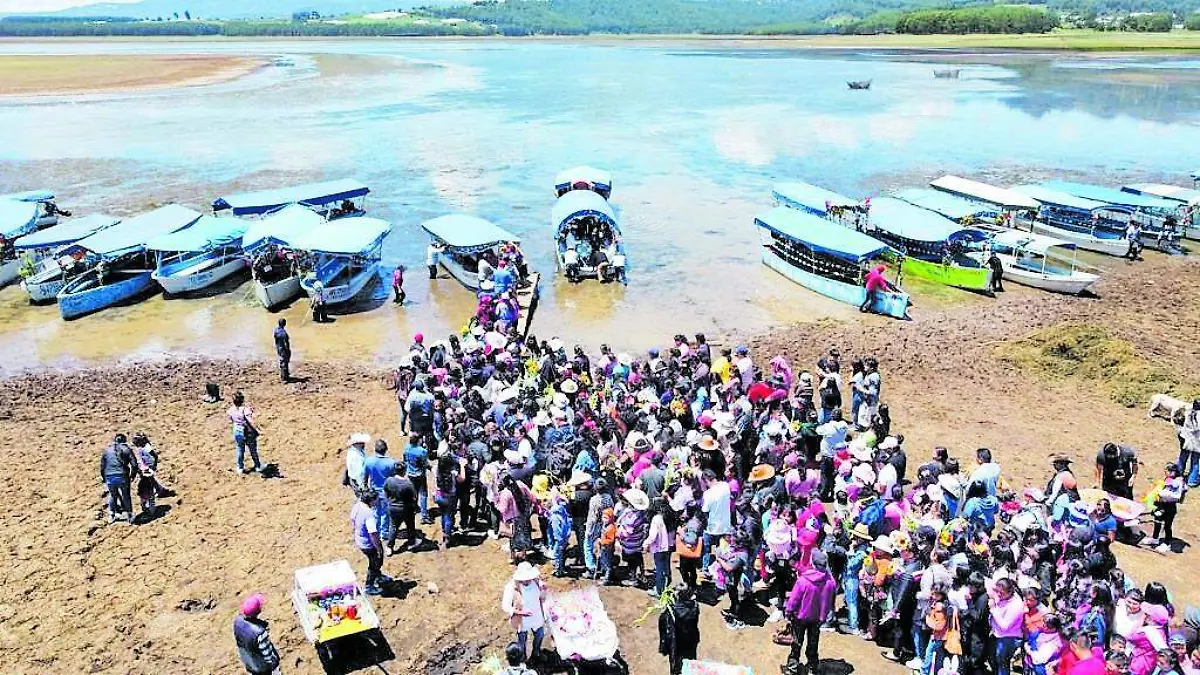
45, 254
276, 265
199, 256
587, 238
346, 257
332, 199
1029, 259
1074, 219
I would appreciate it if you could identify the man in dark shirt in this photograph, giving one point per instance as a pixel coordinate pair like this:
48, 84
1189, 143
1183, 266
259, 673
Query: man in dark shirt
477, 454
402, 508
283, 348
1116, 467
116, 467
653, 477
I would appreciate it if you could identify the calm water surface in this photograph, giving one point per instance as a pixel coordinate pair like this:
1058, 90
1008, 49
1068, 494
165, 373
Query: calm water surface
695, 137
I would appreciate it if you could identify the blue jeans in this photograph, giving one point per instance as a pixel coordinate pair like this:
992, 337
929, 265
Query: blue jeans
421, 485
589, 552
446, 504
383, 516
824, 415
920, 634
538, 635
850, 591
662, 571
1005, 648
1193, 476
710, 541
606, 556
243, 443
855, 404
934, 656
560, 553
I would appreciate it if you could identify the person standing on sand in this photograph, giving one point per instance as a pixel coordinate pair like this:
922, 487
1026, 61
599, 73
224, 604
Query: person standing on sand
522, 602
807, 605
679, 628
377, 469
283, 348
245, 432
116, 468
250, 633
365, 525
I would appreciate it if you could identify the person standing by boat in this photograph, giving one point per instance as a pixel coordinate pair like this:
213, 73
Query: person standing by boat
431, 258
398, 285
283, 349
997, 268
319, 313
876, 284
1133, 235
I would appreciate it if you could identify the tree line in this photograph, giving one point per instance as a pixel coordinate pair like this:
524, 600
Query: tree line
12, 27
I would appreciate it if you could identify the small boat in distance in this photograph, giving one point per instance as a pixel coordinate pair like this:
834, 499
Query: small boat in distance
583, 178
859, 84
122, 264
347, 257
947, 73
586, 236
275, 262
1028, 259
46, 252
199, 256
824, 257
332, 199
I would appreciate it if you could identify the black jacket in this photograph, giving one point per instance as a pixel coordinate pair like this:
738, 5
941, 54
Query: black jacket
679, 628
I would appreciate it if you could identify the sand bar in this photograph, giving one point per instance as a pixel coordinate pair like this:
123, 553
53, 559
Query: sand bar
53, 75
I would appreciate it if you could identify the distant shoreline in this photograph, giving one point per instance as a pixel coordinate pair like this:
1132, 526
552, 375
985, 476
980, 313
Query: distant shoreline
1085, 41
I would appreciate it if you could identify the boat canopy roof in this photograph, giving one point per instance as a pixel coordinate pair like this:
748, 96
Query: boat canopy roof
821, 235
467, 233
971, 189
1051, 197
1111, 195
38, 196
1035, 243
66, 233
311, 194
944, 203
801, 195
915, 223
130, 235
207, 233
345, 236
1174, 193
17, 218
598, 178
580, 204
281, 228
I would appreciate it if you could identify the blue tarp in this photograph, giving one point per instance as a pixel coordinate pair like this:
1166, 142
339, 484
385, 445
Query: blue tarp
808, 197
30, 196
915, 223
578, 204
599, 178
18, 218
312, 194
345, 236
1049, 197
205, 234
1109, 195
67, 233
459, 230
821, 235
281, 228
954, 208
132, 235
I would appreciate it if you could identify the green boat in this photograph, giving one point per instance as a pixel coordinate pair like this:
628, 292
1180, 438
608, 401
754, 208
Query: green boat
934, 246
959, 276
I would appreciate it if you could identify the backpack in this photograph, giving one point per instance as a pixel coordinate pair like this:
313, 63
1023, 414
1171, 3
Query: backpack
872, 516
692, 532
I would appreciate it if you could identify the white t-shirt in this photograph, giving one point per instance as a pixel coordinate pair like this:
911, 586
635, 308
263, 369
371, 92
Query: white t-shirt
716, 506
833, 434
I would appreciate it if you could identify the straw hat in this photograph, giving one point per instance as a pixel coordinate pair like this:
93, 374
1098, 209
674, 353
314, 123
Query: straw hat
642, 444
773, 428
579, 478
542, 418
636, 498
708, 443
884, 544
861, 531
762, 472
507, 394
526, 572
569, 387
560, 400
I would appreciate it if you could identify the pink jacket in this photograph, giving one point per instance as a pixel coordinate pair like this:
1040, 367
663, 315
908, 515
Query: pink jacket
811, 598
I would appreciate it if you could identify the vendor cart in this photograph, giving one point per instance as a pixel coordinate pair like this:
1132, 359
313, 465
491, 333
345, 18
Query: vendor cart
331, 605
584, 637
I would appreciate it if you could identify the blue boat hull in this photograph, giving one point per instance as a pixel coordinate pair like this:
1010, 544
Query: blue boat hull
82, 296
891, 304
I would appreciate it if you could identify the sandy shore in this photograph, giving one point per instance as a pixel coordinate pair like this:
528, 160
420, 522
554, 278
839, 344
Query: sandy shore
53, 75
80, 596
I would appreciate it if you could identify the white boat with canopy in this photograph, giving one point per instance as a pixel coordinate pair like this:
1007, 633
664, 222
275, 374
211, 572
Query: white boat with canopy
1074, 219
347, 257
1159, 218
1008, 200
17, 219
198, 257
334, 199
276, 264
1035, 260
587, 237
583, 178
465, 239
960, 210
1187, 198
820, 202
45, 253
48, 211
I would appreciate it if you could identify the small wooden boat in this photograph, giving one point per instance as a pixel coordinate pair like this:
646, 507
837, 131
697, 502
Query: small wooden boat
275, 264
859, 84
947, 73
122, 266
825, 258
587, 236
46, 252
347, 257
198, 257
1028, 259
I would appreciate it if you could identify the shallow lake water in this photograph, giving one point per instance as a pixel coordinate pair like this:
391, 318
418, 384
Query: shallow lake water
695, 134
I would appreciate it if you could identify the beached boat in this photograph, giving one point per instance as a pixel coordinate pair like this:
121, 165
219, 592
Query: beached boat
824, 257
962, 211
820, 202
332, 199
123, 266
275, 263
972, 190
947, 73
1074, 219
46, 252
48, 212
586, 224
859, 84
583, 178
1159, 218
465, 239
1187, 198
1030, 260
934, 246
17, 219
198, 257
347, 257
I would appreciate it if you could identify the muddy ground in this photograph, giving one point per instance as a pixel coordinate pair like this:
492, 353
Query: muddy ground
78, 596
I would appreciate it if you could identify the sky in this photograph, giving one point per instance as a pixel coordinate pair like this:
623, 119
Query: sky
7, 6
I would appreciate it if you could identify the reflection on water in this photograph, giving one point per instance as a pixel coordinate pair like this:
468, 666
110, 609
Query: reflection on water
694, 139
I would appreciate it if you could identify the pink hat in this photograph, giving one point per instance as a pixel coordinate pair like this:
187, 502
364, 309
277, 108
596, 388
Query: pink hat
252, 605
418, 338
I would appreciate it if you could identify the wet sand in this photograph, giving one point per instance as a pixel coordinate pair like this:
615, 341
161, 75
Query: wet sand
80, 596
58, 75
